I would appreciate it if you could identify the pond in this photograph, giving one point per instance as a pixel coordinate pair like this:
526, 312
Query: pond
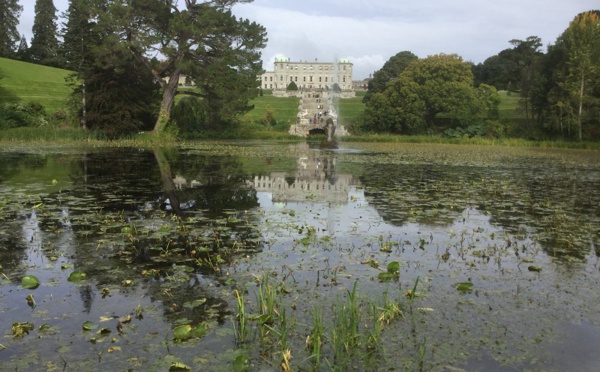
260, 256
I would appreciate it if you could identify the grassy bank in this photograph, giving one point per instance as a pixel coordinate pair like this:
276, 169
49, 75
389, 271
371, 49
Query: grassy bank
29, 82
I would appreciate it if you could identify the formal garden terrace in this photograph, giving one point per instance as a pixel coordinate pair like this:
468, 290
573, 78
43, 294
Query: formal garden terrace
254, 256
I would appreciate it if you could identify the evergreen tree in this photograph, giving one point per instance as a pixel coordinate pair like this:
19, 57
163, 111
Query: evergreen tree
113, 93
23, 49
201, 38
78, 37
9, 20
44, 44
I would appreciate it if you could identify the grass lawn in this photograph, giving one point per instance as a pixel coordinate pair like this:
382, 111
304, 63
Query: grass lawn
34, 83
509, 105
287, 108
46, 85
351, 108
284, 108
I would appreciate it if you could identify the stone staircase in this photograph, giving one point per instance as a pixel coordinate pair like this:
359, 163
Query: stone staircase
313, 111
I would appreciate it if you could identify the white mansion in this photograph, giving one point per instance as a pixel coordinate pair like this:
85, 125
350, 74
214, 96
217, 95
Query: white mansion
308, 75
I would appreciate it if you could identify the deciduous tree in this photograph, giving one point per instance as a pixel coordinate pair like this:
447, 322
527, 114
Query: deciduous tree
581, 42
390, 71
427, 87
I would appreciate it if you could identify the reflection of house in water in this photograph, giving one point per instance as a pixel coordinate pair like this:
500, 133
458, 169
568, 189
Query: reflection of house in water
315, 180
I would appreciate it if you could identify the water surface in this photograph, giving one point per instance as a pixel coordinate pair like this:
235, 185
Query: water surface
166, 237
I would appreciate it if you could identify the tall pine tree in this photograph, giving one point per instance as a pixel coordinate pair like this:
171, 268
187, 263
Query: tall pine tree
78, 37
23, 49
9, 16
200, 38
112, 92
44, 44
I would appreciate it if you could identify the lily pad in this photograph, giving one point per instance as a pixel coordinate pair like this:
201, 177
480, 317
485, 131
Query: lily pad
186, 331
385, 277
240, 363
77, 276
199, 331
88, 326
182, 332
179, 367
464, 286
104, 331
534, 268
30, 282
393, 268
195, 303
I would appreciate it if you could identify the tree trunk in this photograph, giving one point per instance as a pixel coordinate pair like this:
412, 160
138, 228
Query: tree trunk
581, 107
168, 97
170, 191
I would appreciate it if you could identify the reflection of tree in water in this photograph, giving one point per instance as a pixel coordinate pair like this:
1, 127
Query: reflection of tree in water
119, 180
87, 294
177, 299
207, 183
422, 194
197, 235
13, 247
558, 208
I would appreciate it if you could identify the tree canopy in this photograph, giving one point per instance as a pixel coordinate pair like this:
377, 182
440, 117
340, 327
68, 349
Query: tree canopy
9, 35
390, 70
577, 75
165, 39
44, 43
202, 39
427, 87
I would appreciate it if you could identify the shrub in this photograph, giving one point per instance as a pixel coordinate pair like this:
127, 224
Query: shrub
292, 86
19, 114
489, 129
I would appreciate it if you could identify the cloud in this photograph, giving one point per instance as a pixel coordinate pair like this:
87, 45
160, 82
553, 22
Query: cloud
370, 32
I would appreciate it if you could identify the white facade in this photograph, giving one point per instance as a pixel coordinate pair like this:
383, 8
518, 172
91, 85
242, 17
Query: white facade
308, 75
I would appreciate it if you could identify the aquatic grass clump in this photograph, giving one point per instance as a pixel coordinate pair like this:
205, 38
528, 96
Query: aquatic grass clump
240, 324
314, 341
345, 335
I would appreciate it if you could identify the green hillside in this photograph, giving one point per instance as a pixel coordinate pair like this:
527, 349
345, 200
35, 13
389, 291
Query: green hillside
34, 83
283, 108
287, 108
351, 108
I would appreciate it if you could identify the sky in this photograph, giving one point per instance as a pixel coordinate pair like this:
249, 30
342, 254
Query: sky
369, 32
